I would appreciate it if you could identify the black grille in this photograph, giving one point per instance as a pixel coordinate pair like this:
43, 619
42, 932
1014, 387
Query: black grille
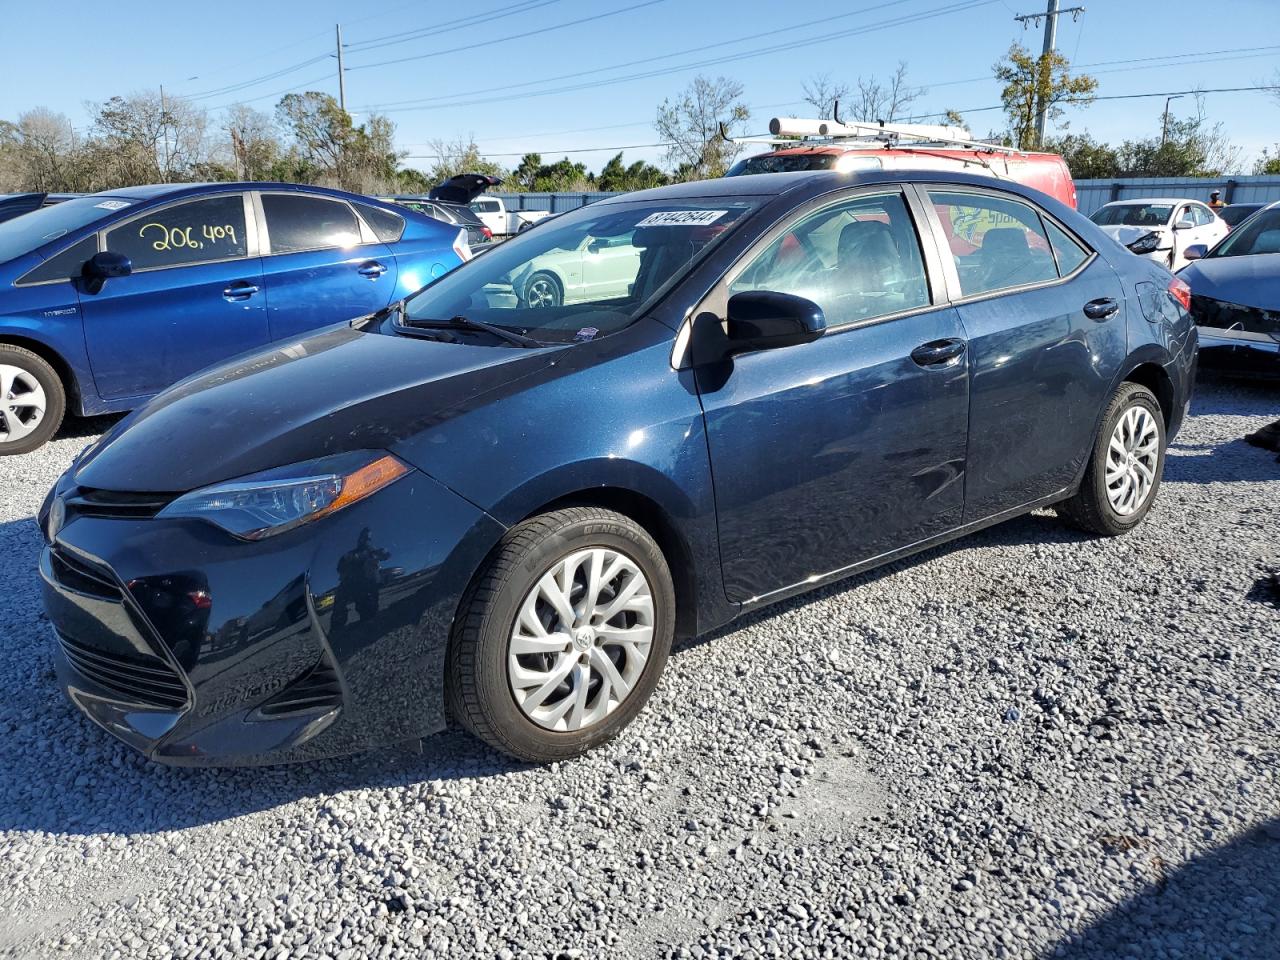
319, 689
150, 682
89, 502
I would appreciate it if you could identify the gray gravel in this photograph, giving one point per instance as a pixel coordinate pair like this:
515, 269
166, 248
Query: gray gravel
1028, 743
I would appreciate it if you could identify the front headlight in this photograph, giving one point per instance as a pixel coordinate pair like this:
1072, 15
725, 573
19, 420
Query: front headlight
274, 501
1146, 244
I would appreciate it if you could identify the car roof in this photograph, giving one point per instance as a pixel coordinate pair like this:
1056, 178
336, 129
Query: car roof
152, 191
1137, 200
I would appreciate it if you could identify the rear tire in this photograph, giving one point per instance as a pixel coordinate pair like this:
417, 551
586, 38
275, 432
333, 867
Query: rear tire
1124, 471
32, 400
534, 687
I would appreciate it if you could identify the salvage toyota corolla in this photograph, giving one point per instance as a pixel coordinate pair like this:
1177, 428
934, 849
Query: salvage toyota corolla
478, 507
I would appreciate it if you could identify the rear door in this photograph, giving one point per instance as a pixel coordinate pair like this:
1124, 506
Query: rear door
322, 264
194, 296
1045, 317
837, 451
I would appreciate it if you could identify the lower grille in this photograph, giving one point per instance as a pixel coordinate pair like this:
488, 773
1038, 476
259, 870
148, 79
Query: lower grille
152, 683
319, 689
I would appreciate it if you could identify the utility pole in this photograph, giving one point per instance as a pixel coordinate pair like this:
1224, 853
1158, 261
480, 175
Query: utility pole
164, 136
342, 80
1050, 18
1164, 127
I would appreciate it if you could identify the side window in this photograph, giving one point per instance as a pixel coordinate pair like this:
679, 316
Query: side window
1068, 252
485, 206
63, 265
1183, 213
198, 231
997, 242
1204, 216
297, 222
386, 225
858, 259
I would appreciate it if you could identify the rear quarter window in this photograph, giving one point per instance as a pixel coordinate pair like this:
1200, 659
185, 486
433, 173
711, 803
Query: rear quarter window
386, 226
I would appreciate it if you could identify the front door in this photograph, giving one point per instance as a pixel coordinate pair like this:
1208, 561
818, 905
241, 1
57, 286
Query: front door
322, 267
609, 267
1046, 323
194, 296
840, 450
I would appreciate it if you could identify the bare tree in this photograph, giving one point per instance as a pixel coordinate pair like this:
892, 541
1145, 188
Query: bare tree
691, 126
884, 100
822, 93
147, 138
255, 142
42, 152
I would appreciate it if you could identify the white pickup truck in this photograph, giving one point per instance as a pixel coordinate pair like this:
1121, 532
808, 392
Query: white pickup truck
501, 220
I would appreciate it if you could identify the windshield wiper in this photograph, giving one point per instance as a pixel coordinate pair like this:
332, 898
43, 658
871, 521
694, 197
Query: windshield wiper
466, 323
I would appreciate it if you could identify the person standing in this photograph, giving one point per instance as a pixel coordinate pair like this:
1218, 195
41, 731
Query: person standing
1215, 201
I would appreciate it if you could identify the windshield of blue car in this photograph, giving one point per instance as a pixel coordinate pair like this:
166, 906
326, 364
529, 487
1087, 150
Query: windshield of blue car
1259, 234
31, 230
1133, 215
585, 274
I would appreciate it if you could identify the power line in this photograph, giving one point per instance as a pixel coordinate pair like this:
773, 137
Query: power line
513, 36
245, 84
434, 103
391, 39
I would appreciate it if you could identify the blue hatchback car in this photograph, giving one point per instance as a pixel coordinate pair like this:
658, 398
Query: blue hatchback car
107, 299
482, 506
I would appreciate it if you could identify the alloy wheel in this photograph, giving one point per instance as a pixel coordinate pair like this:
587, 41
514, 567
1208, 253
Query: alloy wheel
1133, 455
542, 292
581, 639
22, 403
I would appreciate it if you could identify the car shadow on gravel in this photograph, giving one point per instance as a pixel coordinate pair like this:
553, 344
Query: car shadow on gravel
1231, 462
1222, 904
1218, 395
87, 426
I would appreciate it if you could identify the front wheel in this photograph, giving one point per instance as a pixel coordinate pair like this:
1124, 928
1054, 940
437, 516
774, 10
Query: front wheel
32, 401
562, 638
543, 290
1125, 468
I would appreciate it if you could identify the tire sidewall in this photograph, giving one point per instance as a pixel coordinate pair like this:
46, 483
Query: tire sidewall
55, 399
1133, 395
526, 737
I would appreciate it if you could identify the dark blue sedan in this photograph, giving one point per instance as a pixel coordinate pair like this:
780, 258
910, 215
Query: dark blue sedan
490, 508
107, 299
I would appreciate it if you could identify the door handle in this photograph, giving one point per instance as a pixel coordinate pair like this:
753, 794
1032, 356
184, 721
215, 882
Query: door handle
1101, 309
937, 352
373, 270
240, 290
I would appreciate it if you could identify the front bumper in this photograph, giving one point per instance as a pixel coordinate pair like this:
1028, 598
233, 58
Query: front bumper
1236, 338
199, 649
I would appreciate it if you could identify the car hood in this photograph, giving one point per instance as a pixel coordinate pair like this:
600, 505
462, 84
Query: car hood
1252, 281
1127, 234
339, 390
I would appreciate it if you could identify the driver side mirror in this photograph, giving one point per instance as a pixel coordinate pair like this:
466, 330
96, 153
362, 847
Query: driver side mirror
1196, 251
105, 266
764, 320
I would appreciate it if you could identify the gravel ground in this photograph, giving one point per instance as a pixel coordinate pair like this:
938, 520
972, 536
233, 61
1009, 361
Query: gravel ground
1028, 743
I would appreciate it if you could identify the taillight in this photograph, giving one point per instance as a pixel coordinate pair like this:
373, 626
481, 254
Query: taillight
461, 247
488, 234
1181, 291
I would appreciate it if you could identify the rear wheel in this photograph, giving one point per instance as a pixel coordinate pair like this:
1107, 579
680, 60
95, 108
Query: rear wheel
1124, 471
561, 640
32, 400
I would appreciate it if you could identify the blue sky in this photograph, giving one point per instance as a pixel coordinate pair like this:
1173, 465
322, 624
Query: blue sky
489, 92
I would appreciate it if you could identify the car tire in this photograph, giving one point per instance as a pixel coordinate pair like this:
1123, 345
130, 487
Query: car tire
32, 400
1124, 471
523, 683
543, 289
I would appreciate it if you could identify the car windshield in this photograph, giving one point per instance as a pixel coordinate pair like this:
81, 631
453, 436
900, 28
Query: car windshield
588, 273
1238, 212
1133, 215
1259, 234
785, 163
31, 230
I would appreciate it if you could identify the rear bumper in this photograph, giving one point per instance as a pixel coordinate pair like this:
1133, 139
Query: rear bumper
198, 649
1240, 351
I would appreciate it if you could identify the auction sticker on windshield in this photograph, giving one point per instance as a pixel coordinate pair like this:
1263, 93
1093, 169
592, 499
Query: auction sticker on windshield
681, 218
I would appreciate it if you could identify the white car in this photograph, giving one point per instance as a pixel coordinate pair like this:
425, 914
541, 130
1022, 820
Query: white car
1161, 228
598, 268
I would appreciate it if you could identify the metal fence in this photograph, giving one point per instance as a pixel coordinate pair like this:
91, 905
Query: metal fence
1091, 194
554, 202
